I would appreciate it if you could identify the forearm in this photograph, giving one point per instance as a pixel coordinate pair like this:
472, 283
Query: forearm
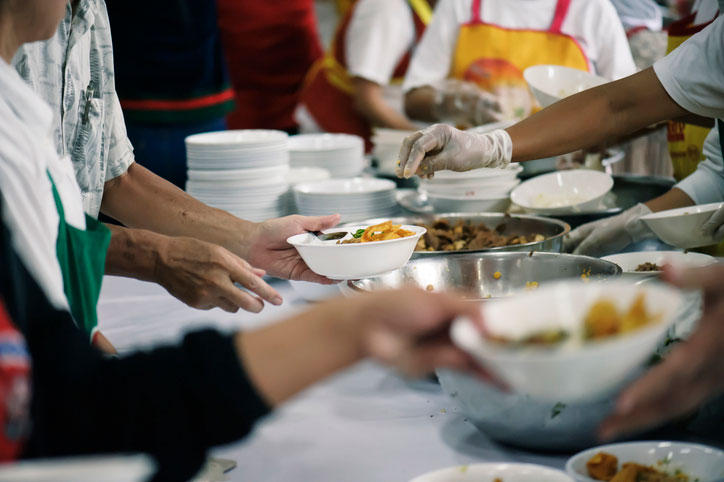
674, 198
140, 199
370, 103
593, 117
133, 253
420, 104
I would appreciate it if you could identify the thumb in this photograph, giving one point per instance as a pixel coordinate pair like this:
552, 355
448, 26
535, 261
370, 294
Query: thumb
318, 223
715, 221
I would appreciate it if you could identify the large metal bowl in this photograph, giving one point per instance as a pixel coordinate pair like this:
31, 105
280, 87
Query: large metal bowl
553, 230
475, 273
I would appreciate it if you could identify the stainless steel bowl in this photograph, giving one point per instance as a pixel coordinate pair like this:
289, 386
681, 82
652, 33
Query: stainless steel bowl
475, 273
553, 229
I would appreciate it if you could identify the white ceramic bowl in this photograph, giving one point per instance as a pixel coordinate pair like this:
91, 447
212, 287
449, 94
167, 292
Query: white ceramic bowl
551, 83
310, 143
492, 471
630, 261
680, 227
473, 204
699, 462
337, 187
119, 468
475, 175
572, 371
471, 190
563, 192
355, 261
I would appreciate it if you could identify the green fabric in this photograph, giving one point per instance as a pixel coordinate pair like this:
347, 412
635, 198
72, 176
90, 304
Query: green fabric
82, 258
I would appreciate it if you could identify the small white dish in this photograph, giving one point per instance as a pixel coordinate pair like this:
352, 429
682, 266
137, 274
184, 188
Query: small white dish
118, 468
630, 261
358, 260
507, 472
680, 227
551, 83
563, 192
573, 371
699, 462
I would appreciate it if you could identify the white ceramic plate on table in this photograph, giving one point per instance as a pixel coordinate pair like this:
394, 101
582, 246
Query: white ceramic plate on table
495, 471
563, 192
130, 468
700, 462
630, 261
234, 138
680, 227
551, 83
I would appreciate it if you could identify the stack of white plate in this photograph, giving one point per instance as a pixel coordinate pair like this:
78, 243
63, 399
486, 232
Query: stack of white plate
387, 144
479, 190
243, 172
355, 199
300, 175
341, 154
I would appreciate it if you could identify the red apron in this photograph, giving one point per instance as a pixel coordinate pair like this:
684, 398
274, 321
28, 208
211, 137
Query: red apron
328, 90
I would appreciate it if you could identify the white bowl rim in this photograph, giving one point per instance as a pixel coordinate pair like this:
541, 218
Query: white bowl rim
418, 230
342, 141
490, 466
255, 137
678, 212
382, 186
515, 194
612, 258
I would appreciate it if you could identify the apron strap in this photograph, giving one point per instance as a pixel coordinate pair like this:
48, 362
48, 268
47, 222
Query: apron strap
422, 9
720, 126
476, 18
560, 15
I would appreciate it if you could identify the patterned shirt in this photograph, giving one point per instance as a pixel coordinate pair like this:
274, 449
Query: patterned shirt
73, 72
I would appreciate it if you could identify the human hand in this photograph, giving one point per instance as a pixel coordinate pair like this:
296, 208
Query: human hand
409, 329
440, 147
609, 235
269, 248
464, 104
202, 275
691, 374
714, 226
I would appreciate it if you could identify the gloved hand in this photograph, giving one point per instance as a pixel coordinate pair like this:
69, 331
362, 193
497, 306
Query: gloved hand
609, 235
441, 146
464, 104
714, 226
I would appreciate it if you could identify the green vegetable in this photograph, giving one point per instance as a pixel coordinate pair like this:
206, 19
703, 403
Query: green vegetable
557, 409
358, 233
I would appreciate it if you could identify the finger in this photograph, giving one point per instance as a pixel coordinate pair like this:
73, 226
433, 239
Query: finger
405, 152
255, 284
707, 278
319, 223
575, 237
237, 298
713, 223
425, 144
312, 277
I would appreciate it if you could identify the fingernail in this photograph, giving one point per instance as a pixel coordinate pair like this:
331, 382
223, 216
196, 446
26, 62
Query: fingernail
277, 300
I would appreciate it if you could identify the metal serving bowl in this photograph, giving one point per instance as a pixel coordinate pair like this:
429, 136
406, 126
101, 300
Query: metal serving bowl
553, 230
475, 273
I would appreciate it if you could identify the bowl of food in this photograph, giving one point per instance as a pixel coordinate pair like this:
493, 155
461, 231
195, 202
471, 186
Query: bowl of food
655, 461
551, 83
563, 192
365, 251
483, 276
681, 227
559, 353
641, 265
502, 472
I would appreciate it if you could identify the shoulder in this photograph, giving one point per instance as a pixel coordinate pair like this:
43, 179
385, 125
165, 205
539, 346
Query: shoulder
381, 8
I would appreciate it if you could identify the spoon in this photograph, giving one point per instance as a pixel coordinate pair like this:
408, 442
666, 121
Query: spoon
329, 236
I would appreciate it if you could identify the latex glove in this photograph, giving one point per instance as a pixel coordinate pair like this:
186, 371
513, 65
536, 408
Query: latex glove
441, 146
714, 226
690, 375
464, 104
609, 235
270, 251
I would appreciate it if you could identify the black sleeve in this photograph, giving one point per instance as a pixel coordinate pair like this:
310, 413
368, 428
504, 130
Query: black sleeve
173, 402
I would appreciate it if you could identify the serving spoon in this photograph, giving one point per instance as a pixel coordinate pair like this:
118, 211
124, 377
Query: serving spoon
329, 236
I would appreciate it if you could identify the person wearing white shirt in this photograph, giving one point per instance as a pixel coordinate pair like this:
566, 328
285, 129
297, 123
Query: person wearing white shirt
591, 26
689, 81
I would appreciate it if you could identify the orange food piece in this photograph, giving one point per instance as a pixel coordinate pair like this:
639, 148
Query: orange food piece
602, 466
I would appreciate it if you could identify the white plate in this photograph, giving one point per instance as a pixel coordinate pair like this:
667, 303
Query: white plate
492, 471
699, 462
324, 142
563, 192
234, 138
680, 227
257, 173
630, 261
131, 468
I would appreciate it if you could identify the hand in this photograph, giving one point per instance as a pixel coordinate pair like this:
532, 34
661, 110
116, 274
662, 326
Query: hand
440, 147
269, 248
609, 235
714, 226
691, 374
202, 275
464, 104
409, 330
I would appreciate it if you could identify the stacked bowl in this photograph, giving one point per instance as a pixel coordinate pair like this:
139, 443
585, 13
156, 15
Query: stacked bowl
479, 190
355, 199
341, 154
243, 172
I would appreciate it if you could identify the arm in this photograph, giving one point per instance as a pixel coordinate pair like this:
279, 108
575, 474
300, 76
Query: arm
370, 102
674, 198
420, 103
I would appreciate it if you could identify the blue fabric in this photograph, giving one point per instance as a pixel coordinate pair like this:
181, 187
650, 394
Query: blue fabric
162, 150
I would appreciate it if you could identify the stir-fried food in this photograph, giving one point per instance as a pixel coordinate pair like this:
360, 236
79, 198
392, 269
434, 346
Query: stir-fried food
648, 267
379, 232
443, 236
604, 466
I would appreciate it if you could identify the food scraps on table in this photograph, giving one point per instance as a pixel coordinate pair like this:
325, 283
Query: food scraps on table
604, 466
497, 275
644, 267
443, 236
379, 232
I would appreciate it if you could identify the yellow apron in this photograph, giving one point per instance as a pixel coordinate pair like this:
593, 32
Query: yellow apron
686, 141
495, 57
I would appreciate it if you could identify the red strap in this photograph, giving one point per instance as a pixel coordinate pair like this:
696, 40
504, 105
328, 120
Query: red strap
477, 7
560, 15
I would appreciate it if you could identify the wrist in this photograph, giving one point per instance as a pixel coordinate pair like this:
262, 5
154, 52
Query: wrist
239, 235
134, 253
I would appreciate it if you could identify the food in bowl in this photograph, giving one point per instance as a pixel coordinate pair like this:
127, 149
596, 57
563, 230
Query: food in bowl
378, 232
646, 267
441, 235
604, 466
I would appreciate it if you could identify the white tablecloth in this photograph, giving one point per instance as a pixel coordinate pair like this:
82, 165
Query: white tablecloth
365, 424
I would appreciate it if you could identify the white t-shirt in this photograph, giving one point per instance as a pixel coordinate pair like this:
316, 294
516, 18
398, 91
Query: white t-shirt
593, 23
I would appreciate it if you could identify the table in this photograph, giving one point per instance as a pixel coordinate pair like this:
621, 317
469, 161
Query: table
364, 424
